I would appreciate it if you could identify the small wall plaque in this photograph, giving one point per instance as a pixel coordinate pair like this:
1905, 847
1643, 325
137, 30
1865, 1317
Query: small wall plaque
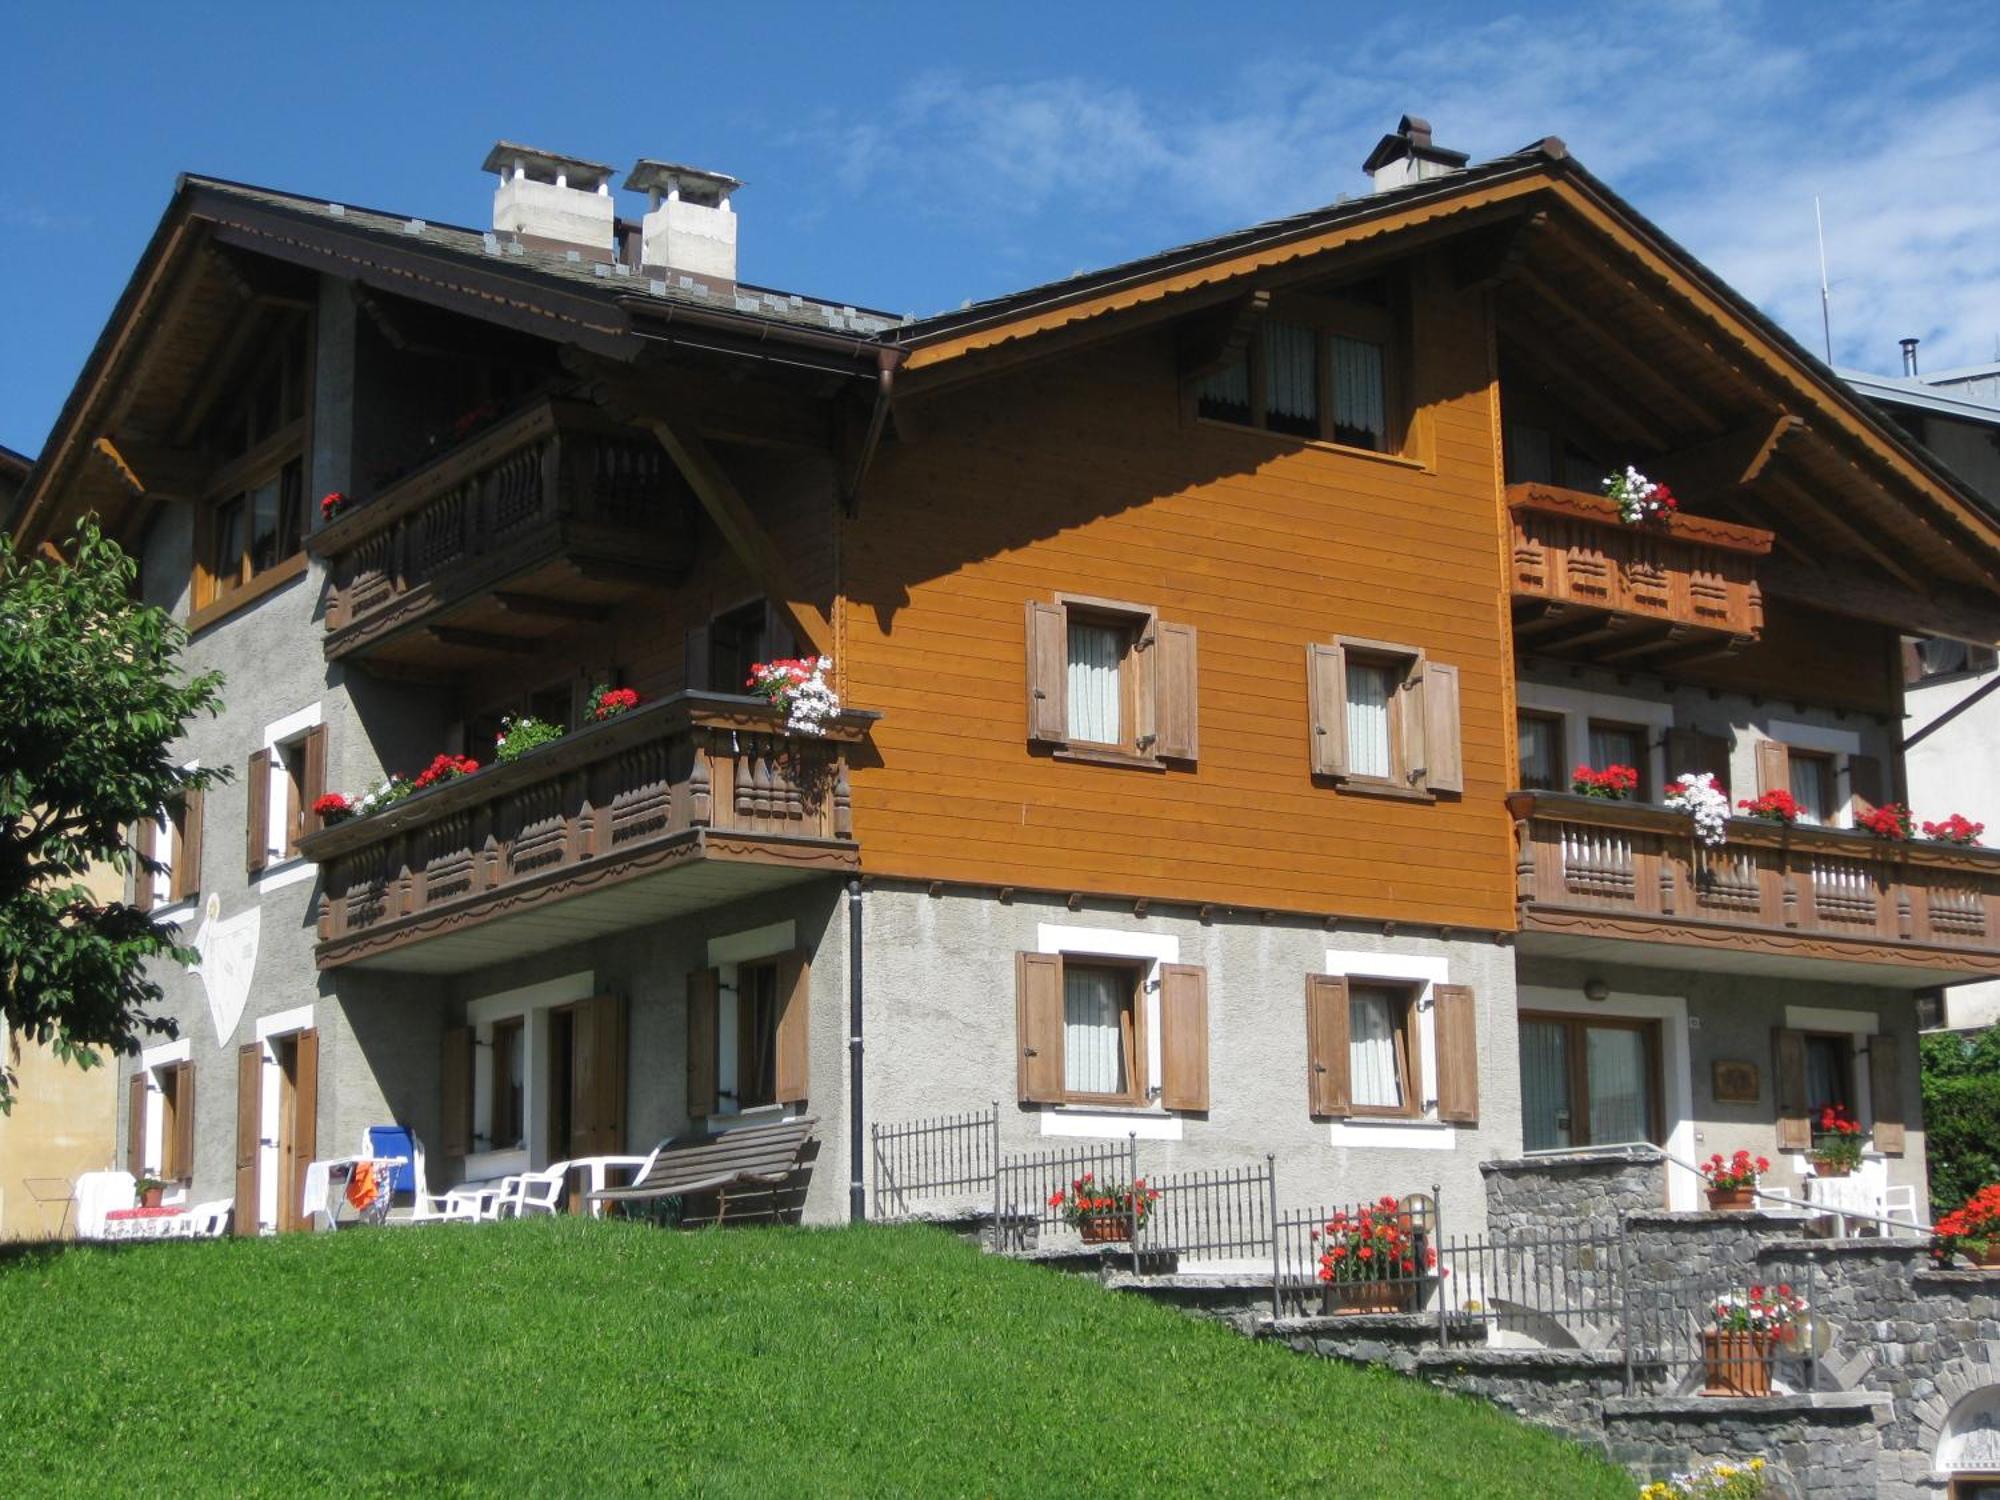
1735, 1082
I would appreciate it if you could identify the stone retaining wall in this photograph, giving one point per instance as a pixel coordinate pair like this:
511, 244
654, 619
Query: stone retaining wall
1586, 1189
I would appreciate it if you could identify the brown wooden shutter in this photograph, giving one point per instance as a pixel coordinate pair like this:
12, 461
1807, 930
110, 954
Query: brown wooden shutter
1456, 1023
187, 859
257, 835
455, 1092
1788, 1081
1326, 688
1176, 692
249, 1111
1183, 1036
597, 1077
315, 785
1864, 784
1885, 1086
1038, 1023
1443, 759
704, 988
1048, 667
145, 836
696, 670
305, 1132
135, 1125
1326, 1044
183, 1141
794, 1041
1774, 767
780, 640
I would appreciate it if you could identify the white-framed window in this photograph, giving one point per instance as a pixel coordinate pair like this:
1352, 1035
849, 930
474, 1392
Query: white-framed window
287, 776
513, 1043
1111, 1033
749, 1007
1388, 1037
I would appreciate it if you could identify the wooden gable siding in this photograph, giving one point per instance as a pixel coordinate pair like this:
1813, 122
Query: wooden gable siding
1086, 476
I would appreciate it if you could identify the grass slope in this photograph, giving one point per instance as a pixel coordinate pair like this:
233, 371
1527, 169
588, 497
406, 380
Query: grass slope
575, 1357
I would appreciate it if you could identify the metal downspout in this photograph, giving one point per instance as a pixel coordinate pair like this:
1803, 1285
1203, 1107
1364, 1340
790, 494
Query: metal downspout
887, 363
857, 1189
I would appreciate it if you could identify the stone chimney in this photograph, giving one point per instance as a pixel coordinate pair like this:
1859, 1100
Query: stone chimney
553, 202
1408, 156
689, 226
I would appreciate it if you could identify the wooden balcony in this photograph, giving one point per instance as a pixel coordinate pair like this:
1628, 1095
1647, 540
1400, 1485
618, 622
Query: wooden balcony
1772, 899
675, 806
1586, 584
544, 522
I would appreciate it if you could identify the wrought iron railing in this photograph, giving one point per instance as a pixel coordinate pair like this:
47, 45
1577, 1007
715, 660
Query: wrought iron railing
944, 1157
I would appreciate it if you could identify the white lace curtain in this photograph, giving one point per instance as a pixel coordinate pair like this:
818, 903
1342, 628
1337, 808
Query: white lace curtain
1094, 655
1093, 1042
1373, 1076
1368, 690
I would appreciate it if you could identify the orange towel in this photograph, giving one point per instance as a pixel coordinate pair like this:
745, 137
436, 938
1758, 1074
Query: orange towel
361, 1189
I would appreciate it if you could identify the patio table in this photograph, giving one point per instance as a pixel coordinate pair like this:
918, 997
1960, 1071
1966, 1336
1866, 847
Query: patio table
144, 1223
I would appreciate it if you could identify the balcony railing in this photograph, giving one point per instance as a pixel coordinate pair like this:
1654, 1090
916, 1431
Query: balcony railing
673, 806
1688, 578
561, 506
1626, 870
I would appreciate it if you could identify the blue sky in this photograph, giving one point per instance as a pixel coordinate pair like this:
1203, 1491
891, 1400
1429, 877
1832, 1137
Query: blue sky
910, 157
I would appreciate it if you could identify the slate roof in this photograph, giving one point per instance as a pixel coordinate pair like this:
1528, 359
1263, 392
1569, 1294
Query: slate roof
607, 280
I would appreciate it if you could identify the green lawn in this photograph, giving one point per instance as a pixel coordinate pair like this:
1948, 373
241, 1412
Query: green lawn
576, 1357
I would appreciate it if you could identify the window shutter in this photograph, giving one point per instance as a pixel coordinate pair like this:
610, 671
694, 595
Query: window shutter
1174, 683
145, 835
1456, 1023
183, 1142
704, 988
1326, 1043
1048, 665
455, 1092
780, 640
1183, 1036
794, 1027
305, 1132
696, 667
1885, 1085
1774, 767
1038, 1023
1326, 685
315, 787
249, 1111
135, 1125
597, 1077
1864, 783
187, 859
258, 827
1789, 1089
1712, 756
1444, 760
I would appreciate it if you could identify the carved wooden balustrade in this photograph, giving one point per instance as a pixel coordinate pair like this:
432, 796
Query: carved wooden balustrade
557, 484
1696, 577
692, 779
1589, 867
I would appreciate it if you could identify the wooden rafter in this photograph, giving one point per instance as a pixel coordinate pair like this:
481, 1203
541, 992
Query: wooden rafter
1614, 418
1866, 596
539, 606
1631, 367
1212, 341
1877, 549
1492, 257
1732, 461
484, 640
152, 469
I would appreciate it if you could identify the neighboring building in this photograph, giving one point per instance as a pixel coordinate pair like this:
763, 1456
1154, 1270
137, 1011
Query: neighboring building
1217, 633
61, 1123
1952, 686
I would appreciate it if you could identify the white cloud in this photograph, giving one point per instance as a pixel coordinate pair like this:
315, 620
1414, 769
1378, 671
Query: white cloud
1719, 121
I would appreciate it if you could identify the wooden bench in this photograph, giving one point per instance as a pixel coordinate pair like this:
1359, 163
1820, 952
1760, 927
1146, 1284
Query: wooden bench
751, 1156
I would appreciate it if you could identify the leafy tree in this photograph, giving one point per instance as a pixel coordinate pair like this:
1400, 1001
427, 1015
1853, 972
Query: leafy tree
1961, 1114
91, 697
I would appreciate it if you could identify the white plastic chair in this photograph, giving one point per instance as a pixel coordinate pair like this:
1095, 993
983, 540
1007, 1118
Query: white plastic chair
532, 1192
601, 1167
97, 1193
1900, 1202
208, 1221
461, 1204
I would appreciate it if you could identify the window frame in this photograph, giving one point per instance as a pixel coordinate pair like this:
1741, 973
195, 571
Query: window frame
1831, 764
1134, 1037
1559, 722
1411, 662
1844, 1041
1642, 762
746, 1029
1407, 995
1139, 626
1327, 317
1577, 1072
506, 1111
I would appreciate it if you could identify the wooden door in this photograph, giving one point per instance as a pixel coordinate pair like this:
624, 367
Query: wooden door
304, 1121
597, 1077
285, 1050
249, 1111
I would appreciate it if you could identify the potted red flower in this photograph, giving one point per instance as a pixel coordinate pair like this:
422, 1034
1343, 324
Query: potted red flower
1773, 807
1372, 1260
1956, 829
1836, 1149
1743, 1333
332, 808
1889, 821
1732, 1183
443, 768
610, 702
1105, 1212
332, 505
1612, 784
1971, 1230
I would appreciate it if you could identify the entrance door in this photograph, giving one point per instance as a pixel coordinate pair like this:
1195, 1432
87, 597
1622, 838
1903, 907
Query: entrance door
249, 1140
587, 1079
1588, 1082
297, 1057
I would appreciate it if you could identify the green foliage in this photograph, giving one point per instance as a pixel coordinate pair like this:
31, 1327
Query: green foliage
566, 1356
1961, 1114
519, 736
93, 697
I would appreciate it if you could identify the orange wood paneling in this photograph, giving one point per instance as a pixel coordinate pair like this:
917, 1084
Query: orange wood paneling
1085, 475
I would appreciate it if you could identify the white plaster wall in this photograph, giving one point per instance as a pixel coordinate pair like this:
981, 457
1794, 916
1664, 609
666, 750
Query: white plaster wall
1956, 768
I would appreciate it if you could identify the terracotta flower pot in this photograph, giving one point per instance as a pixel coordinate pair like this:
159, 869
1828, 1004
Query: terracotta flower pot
151, 1197
1831, 1168
1368, 1296
1731, 1200
1987, 1259
1105, 1229
1736, 1363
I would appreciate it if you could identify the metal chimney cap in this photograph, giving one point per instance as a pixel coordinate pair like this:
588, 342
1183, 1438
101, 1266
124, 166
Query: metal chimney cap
580, 173
1411, 137
1909, 355
651, 175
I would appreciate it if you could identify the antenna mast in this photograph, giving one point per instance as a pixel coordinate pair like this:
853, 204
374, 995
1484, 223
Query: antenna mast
1825, 298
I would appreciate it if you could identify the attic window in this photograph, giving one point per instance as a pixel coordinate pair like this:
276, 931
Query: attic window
1320, 367
252, 521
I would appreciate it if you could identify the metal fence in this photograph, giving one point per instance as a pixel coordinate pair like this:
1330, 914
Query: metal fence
1311, 1241
1673, 1346
946, 1156
1027, 1211
1225, 1215
1558, 1288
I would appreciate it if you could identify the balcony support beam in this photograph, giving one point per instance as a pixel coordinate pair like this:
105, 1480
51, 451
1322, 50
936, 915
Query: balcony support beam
739, 526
